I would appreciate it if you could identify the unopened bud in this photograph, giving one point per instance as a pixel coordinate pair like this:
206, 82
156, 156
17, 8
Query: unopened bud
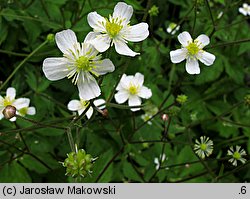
173, 111
154, 11
247, 100
181, 99
50, 38
9, 112
164, 117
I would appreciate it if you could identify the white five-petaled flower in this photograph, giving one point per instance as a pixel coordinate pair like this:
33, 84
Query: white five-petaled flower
117, 30
172, 28
81, 105
159, 161
79, 62
236, 155
192, 51
245, 9
21, 104
131, 88
204, 147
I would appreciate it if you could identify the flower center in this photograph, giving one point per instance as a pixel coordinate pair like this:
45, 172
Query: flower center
236, 155
7, 101
203, 147
113, 26
82, 63
172, 25
193, 48
133, 90
84, 103
23, 111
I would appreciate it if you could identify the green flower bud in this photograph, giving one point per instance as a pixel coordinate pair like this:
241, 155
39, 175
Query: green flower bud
181, 99
154, 11
78, 164
50, 38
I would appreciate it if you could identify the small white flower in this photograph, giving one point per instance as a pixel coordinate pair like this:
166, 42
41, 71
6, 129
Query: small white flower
204, 147
117, 30
245, 9
236, 155
9, 99
131, 88
146, 118
173, 28
79, 61
220, 15
159, 161
192, 52
81, 105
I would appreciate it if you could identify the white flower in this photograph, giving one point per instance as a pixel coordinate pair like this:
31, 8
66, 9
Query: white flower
117, 30
81, 105
173, 28
192, 52
79, 61
9, 99
131, 88
204, 147
146, 118
236, 155
159, 161
245, 9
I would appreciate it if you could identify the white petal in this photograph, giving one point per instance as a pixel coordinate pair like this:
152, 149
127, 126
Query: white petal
89, 113
11, 93
122, 48
137, 32
203, 39
103, 66
192, 66
121, 96
206, 58
87, 86
145, 92
139, 79
31, 111
13, 119
178, 55
124, 11
101, 42
96, 21
100, 103
124, 82
1, 115
74, 105
134, 101
21, 103
55, 68
242, 11
184, 38
65, 40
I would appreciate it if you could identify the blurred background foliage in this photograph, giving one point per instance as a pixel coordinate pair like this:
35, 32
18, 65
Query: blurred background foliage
125, 145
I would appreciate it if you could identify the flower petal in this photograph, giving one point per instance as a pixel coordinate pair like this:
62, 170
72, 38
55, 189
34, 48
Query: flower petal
21, 103
13, 119
103, 66
55, 68
1, 115
203, 39
137, 32
100, 103
145, 92
87, 86
101, 42
139, 79
65, 40
74, 105
11, 93
242, 11
96, 21
122, 48
89, 113
206, 58
31, 110
134, 101
123, 11
178, 55
121, 96
192, 66
184, 38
